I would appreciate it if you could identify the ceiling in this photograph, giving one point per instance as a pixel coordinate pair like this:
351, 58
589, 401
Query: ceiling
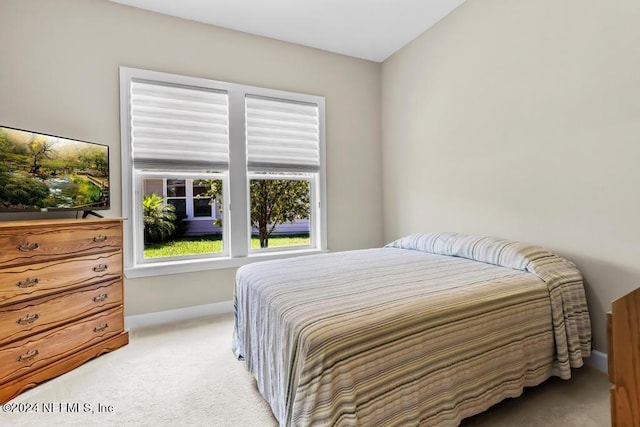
367, 29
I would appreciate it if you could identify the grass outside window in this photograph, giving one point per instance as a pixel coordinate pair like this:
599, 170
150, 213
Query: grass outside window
213, 244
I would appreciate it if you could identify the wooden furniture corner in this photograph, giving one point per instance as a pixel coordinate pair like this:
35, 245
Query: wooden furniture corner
623, 336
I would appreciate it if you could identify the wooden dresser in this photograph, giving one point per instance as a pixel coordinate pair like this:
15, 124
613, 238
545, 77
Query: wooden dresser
61, 298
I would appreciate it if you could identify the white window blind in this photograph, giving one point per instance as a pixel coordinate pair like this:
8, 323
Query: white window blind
282, 135
178, 128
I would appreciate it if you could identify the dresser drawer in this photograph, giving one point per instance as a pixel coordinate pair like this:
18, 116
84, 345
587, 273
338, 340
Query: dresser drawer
27, 318
19, 246
28, 354
31, 281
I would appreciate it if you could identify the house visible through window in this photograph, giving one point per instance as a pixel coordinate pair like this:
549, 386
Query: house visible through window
218, 172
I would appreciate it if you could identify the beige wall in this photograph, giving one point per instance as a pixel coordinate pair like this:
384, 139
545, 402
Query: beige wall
59, 75
521, 119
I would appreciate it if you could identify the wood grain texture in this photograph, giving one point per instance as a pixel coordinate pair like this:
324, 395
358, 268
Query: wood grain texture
28, 354
34, 316
14, 387
56, 276
624, 353
61, 297
23, 245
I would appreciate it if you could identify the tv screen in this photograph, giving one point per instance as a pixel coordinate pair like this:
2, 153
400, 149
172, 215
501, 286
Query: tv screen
40, 172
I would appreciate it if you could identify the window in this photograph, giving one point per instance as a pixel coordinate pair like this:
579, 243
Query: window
176, 195
217, 174
283, 162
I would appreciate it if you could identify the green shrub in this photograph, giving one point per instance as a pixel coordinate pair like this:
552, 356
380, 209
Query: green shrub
158, 219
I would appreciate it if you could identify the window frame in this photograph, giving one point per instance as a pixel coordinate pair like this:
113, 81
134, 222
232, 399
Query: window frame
237, 230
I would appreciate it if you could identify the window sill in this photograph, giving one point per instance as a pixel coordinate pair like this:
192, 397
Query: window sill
193, 265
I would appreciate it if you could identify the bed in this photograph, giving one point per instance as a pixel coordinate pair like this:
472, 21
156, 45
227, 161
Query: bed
428, 330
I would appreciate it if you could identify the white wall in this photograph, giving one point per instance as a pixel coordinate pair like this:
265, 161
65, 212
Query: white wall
59, 75
521, 119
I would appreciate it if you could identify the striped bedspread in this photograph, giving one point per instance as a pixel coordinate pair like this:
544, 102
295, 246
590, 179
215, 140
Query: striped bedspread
426, 331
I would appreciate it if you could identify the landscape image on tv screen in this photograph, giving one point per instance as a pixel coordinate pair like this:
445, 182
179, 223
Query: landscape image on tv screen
45, 172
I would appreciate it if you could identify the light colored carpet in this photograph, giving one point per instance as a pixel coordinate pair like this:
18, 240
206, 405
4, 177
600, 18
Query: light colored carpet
184, 374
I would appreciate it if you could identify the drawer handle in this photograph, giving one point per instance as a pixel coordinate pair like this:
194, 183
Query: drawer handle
100, 238
28, 282
28, 247
100, 298
28, 356
101, 327
29, 318
100, 267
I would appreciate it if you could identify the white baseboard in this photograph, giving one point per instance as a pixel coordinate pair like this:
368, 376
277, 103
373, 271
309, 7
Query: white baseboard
598, 360
137, 321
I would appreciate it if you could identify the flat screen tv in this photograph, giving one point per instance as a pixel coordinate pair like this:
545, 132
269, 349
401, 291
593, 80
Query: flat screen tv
40, 172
